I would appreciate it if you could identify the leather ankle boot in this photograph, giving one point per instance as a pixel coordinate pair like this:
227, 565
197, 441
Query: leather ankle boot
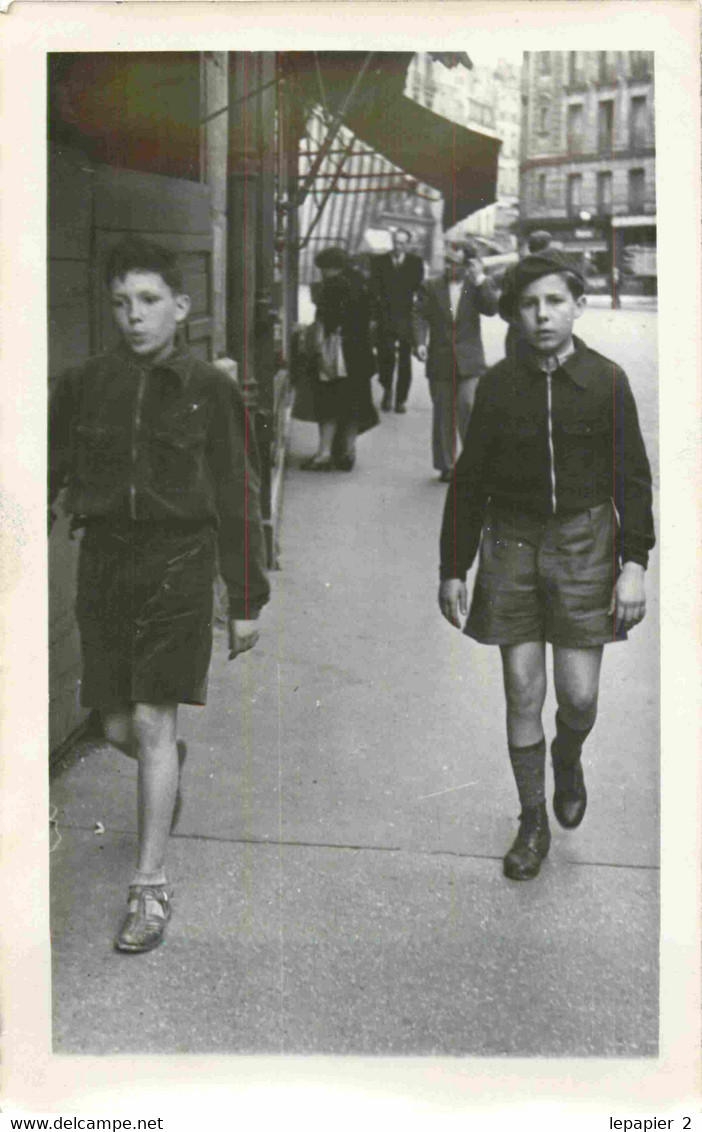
532, 843
570, 795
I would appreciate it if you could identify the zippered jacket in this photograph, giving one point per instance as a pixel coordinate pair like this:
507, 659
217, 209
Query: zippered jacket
550, 444
159, 444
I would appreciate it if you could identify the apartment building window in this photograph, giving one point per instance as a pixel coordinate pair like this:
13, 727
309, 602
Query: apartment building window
637, 189
544, 62
606, 67
541, 189
575, 68
605, 126
543, 119
639, 65
575, 128
604, 193
637, 122
574, 193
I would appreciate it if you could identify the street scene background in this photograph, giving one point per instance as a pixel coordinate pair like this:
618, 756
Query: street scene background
337, 869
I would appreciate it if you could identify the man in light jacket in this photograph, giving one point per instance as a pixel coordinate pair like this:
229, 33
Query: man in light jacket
448, 313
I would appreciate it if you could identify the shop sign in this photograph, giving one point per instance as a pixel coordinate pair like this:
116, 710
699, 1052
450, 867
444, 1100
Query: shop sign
584, 233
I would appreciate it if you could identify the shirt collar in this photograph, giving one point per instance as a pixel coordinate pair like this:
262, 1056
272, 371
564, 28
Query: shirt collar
178, 364
571, 361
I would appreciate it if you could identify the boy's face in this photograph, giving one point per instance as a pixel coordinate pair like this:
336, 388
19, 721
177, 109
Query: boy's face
545, 313
147, 313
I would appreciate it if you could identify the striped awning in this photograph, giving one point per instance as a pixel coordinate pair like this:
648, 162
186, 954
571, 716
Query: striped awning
460, 163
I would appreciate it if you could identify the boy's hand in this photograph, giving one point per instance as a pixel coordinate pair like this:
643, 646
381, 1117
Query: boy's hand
453, 600
629, 598
242, 636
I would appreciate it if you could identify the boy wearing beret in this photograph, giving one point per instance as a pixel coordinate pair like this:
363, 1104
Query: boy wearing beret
153, 449
554, 485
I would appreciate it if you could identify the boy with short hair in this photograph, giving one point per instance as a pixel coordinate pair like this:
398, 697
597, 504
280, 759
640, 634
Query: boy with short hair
153, 448
554, 473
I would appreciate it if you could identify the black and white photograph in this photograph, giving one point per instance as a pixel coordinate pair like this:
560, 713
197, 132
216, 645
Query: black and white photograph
353, 549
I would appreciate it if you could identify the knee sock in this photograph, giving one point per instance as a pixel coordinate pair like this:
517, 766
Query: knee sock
528, 767
568, 744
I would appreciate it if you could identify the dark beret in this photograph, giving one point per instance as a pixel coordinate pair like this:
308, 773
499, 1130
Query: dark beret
531, 268
539, 241
332, 257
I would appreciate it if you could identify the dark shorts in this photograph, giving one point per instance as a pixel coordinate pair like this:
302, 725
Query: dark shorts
546, 579
144, 610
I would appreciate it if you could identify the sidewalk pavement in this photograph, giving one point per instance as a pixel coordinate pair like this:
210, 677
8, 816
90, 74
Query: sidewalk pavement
337, 870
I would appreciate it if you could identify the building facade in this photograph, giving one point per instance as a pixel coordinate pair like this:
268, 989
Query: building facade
488, 98
588, 167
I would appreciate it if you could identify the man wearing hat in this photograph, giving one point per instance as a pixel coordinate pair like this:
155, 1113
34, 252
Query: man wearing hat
554, 485
395, 279
448, 311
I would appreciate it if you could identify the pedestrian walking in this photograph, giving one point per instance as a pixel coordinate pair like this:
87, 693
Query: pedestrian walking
337, 364
396, 277
554, 475
448, 312
153, 449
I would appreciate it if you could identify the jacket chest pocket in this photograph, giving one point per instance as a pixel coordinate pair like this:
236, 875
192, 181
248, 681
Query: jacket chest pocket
177, 455
101, 451
587, 429
585, 445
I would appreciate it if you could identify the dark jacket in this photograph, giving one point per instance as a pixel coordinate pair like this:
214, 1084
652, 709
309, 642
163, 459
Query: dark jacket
345, 302
447, 339
599, 453
162, 444
394, 289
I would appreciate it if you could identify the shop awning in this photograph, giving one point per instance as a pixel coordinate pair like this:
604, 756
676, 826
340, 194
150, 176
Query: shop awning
460, 163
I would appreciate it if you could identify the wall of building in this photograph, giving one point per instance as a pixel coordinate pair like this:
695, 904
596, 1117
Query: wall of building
215, 141
484, 98
588, 153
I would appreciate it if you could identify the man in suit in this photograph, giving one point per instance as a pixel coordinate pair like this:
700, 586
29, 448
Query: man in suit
395, 279
448, 311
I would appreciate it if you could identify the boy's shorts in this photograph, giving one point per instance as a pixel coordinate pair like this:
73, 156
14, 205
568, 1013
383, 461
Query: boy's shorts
546, 579
144, 609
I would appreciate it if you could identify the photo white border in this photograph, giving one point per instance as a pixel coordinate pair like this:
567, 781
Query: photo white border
187, 1088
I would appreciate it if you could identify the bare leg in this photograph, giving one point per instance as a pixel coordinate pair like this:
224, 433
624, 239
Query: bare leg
117, 727
155, 734
350, 433
154, 740
326, 437
576, 678
524, 674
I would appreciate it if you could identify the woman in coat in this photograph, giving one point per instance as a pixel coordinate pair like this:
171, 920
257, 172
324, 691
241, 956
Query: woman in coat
339, 363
